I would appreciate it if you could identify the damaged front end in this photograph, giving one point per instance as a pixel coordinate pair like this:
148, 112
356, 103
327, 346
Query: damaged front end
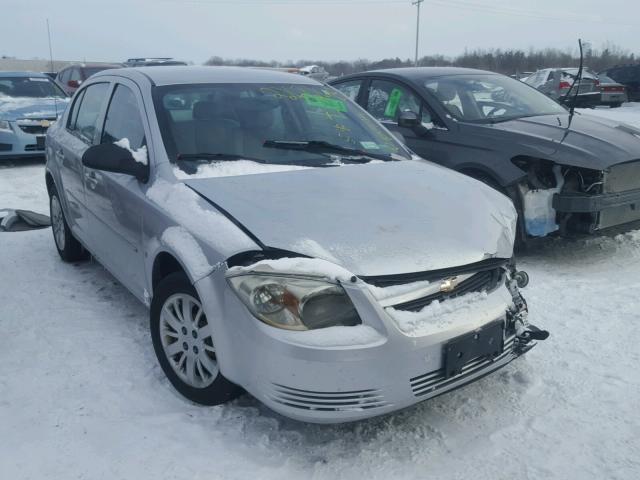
574, 200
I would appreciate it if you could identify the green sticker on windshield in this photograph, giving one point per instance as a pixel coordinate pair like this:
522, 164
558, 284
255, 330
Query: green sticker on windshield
324, 102
392, 104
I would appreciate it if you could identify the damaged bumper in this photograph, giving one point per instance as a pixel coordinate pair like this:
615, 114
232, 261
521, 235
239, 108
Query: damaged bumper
588, 203
318, 382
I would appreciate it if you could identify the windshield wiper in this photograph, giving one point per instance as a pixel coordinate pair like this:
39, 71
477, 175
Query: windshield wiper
320, 146
215, 156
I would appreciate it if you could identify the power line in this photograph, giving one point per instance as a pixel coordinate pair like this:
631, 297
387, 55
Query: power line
417, 4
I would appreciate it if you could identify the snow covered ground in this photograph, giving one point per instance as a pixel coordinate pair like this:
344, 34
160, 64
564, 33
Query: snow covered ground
82, 397
627, 113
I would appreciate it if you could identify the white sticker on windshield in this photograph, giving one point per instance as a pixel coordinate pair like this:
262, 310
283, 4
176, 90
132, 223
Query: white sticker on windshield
370, 145
36, 79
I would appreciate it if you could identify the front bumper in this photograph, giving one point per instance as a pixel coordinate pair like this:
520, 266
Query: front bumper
337, 383
26, 139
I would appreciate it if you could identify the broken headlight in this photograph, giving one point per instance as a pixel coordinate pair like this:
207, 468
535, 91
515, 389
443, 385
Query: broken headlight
295, 303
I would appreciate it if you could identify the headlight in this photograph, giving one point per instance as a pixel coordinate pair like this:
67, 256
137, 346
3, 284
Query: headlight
4, 125
295, 303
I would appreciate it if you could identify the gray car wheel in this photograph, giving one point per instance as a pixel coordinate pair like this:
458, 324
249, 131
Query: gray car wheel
183, 341
69, 249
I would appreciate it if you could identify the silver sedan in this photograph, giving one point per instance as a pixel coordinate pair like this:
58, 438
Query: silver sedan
285, 242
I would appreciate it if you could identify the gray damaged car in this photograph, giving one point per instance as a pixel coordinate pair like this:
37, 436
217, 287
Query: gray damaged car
285, 242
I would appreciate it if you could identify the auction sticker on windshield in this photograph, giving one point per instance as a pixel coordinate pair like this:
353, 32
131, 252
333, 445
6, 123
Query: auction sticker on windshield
324, 102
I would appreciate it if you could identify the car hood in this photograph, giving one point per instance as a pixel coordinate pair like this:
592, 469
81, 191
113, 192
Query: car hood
14, 108
374, 219
591, 142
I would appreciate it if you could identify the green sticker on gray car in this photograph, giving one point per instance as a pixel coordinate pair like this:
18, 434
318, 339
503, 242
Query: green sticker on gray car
324, 102
392, 104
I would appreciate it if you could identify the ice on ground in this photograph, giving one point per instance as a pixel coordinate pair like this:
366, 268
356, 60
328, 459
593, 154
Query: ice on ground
297, 266
139, 155
184, 206
234, 168
188, 250
335, 337
458, 314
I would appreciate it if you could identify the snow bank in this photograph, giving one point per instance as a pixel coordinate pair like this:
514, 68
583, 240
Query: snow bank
184, 206
468, 311
183, 243
139, 155
233, 169
334, 336
297, 266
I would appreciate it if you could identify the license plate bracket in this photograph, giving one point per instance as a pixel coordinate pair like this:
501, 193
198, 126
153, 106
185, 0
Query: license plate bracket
487, 342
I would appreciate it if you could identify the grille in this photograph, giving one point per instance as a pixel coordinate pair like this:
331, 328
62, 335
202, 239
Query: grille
481, 281
625, 176
433, 381
327, 401
33, 129
33, 148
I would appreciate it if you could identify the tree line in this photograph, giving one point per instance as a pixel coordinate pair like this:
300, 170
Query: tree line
509, 61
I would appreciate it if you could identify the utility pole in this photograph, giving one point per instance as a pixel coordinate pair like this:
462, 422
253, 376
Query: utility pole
50, 50
417, 4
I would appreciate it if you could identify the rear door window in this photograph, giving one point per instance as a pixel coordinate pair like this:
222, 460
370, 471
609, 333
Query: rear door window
86, 122
350, 89
123, 119
387, 99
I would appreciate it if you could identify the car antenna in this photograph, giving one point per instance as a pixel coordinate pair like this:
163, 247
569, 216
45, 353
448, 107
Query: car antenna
55, 102
577, 80
572, 106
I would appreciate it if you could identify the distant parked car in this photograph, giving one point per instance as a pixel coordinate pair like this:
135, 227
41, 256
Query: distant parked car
71, 77
557, 83
153, 62
315, 71
614, 94
564, 178
629, 76
29, 103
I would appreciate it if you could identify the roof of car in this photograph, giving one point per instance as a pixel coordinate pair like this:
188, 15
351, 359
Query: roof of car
421, 73
181, 75
23, 74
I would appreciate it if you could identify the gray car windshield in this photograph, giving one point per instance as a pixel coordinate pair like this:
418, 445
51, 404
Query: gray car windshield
269, 123
490, 98
35, 87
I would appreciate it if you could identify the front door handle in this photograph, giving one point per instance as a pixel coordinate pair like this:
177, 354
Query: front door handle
91, 180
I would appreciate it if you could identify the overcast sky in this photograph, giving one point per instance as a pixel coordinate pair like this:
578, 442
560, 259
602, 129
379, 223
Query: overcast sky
113, 30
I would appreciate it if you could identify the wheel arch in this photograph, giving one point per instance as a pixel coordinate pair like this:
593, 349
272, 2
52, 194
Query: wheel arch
164, 264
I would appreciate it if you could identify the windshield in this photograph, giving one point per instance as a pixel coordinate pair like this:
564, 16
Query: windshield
88, 71
36, 87
490, 98
268, 123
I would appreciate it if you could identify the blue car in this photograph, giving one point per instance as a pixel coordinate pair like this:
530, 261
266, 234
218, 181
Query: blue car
29, 103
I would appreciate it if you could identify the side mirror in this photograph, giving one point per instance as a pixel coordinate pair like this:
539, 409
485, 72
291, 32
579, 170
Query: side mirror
73, 83
109, 157
409, 119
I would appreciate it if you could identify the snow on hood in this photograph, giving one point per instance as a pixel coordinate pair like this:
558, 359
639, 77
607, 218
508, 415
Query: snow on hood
374, 219
14, 108
297, 266
458, 314
233, 168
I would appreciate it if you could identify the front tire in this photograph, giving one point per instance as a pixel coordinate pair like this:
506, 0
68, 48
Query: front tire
69, 249
183, 342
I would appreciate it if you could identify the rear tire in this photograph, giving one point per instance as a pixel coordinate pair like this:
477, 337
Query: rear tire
183, 343
69, 249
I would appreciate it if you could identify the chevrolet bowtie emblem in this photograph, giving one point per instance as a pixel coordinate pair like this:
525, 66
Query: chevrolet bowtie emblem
45, 123
449, 284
